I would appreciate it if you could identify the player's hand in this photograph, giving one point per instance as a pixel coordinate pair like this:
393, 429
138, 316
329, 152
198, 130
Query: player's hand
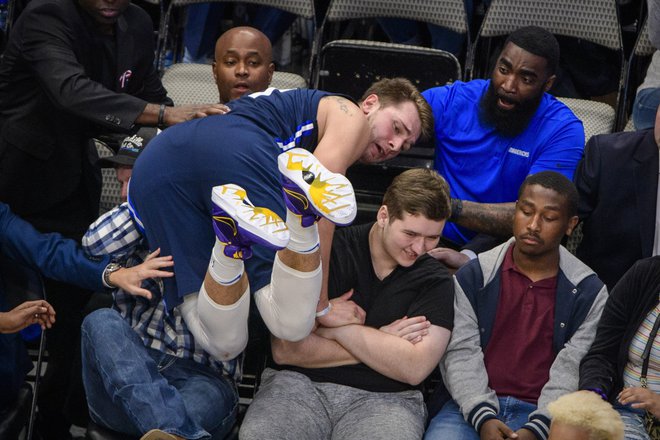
182, 113
411, 329
343, 312
495, 429
525, 434
30, 312
640, 398
449, 257
130, 278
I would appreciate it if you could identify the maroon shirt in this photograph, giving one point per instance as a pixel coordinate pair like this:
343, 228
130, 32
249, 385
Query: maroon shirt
519, 353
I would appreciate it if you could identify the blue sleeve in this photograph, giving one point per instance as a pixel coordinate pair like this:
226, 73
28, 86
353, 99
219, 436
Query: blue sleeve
55, 256
563, 151
436, 97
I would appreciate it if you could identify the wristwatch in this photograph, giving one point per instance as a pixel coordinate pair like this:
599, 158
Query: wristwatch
110, 268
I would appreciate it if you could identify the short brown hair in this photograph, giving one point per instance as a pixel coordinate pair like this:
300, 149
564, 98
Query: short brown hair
394, 91
419, 191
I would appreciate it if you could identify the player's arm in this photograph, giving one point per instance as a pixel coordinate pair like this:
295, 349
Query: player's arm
344, 134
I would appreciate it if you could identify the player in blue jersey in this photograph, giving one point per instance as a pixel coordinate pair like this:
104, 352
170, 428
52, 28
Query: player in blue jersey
237, 157
492, 133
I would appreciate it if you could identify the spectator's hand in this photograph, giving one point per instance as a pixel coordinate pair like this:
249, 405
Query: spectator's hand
495, 429
28, 313
449, 257
130, 278
343, 312
182, 113
411, 329
641, 398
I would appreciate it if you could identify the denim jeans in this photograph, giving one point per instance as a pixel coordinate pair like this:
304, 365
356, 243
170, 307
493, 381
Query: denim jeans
450, 424
131, 388
645, 107
633, 421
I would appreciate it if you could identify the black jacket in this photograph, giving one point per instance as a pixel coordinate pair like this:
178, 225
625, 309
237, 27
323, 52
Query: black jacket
52, 101
617, 181
629, 303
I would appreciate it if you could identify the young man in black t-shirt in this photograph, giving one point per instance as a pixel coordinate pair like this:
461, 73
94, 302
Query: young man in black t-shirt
361, 381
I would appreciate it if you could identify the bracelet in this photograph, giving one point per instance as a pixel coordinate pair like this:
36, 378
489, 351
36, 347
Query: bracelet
456, 209
161, 116
600, 392
325, 311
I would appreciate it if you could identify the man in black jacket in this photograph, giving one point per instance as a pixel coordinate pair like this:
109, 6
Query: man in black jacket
617, 181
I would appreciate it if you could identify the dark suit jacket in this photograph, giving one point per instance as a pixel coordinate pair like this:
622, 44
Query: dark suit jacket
617, 181
51, 101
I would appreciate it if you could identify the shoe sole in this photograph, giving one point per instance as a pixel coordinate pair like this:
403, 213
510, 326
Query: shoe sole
157, 434
330, 194
261, 225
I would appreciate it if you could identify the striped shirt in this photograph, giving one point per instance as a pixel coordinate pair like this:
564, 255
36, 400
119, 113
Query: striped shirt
115, 234
633, 370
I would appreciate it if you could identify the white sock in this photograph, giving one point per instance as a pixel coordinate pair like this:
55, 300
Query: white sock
224, 270
303, 240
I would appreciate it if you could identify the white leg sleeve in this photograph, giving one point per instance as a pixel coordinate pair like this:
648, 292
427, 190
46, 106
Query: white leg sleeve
222, 331
288, 304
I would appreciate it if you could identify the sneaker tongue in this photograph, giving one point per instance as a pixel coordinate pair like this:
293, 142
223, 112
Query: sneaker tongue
308, 177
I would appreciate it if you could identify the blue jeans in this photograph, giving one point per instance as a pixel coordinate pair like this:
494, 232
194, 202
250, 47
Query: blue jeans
450, 424
645, 107
633, 421
131, 388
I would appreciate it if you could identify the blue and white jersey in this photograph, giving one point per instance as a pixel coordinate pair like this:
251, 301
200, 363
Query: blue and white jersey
172, 179
483, 166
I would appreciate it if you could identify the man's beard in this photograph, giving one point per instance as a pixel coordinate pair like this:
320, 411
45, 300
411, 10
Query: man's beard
509, 123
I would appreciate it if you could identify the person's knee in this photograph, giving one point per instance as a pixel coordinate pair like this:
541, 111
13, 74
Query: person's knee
99, 321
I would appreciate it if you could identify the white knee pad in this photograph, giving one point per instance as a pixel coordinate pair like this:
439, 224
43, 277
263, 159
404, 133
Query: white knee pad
288, 304
222, 331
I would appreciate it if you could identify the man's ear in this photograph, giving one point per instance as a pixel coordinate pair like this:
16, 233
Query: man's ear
549, 83
383, 216
572, 223
271, 70
215, 75
370, 103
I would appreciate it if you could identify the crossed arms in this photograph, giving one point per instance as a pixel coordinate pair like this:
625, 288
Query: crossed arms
389, 350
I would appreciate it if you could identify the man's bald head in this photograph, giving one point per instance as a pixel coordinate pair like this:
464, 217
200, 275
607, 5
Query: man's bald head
243, 63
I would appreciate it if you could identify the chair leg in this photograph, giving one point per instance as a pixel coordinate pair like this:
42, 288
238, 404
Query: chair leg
37, 379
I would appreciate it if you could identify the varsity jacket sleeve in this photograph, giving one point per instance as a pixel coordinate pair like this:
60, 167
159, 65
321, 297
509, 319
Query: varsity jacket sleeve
463, 369
564, 373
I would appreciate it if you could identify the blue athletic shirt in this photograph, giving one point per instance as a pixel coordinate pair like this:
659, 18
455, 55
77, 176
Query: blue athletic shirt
483, 166
172, 179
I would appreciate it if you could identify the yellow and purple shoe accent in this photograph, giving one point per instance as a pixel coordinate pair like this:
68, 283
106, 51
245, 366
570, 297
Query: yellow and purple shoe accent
238, 224
312, 191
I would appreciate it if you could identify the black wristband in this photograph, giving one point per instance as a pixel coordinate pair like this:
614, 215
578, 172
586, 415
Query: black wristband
161, 116
456, 209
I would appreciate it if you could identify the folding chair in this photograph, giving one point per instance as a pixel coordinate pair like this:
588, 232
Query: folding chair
637, 66
303, 8
110, 187
446, 13
596, 21
596, 116
194, 84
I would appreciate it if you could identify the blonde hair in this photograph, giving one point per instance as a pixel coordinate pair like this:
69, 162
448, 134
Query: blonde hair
587, 410
395, 91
